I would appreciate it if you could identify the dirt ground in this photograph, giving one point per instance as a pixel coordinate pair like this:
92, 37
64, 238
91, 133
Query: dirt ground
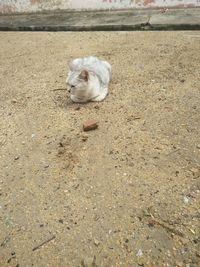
126, 193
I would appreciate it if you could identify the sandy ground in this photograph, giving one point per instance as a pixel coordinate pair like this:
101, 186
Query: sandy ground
126, 193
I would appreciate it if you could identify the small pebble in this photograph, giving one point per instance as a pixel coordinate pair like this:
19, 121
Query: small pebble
84, 138
90, 125
139, 253
198, 146
151, 223
186, 200
89, 262
17, 157
194, 170
192, 231
96, 242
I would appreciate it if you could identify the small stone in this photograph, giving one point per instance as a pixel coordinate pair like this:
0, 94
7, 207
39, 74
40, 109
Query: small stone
186, 200
89, 262
96, 107
84, 138
192, 231
132, 117
198, 254
61, 151
90, 125
139, 253
141, 261
77, 108
14, 101
60, 221
96, 242
198, 146
151, 223
75, 186
194, 170
17, 157
136, 117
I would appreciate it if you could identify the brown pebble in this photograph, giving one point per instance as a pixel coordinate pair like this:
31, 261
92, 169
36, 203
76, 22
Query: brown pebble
84, 138
90, 125
151, 223
14, 101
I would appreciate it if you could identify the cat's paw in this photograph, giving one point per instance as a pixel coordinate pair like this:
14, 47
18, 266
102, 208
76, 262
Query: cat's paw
101, 96
77, 100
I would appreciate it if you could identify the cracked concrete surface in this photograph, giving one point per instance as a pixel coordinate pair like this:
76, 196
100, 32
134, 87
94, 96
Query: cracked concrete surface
171, 19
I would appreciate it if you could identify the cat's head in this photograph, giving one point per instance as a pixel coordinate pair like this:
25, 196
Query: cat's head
77, 82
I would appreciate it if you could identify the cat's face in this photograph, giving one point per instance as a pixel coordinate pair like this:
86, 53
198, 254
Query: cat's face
77, 82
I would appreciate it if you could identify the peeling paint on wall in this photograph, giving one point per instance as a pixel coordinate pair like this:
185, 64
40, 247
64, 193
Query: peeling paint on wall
13, 6
148, 2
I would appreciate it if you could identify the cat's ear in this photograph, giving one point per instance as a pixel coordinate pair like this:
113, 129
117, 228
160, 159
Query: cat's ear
84, 75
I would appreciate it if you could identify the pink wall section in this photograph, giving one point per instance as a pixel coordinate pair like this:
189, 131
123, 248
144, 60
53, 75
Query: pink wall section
13, 6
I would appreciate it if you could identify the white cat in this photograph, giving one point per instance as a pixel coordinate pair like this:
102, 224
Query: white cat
88, 79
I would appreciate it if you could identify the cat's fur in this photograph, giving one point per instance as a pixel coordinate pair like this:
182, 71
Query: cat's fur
88, 79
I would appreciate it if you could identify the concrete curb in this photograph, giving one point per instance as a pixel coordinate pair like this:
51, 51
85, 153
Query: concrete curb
131, 20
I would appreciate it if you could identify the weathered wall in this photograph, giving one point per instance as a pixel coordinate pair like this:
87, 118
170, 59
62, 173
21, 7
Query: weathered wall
11, 6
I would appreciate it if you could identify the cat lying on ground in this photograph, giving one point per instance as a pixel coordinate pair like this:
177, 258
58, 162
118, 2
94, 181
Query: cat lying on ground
88, 79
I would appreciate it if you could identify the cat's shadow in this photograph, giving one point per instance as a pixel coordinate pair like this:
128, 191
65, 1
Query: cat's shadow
63, 101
